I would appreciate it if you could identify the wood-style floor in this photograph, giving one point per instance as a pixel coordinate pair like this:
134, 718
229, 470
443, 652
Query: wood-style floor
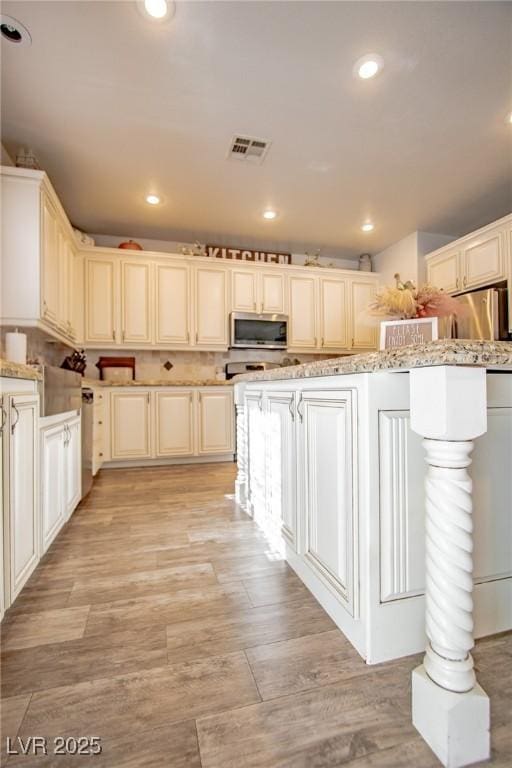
161, 622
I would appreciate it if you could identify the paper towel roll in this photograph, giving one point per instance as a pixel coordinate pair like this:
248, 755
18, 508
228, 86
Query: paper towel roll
16, 347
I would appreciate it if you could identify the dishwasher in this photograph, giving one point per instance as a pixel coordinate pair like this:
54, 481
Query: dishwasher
87, 419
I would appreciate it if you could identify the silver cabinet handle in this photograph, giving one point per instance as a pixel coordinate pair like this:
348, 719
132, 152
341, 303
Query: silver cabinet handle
4, 419
113, 335
291, 409
299, 411
13, 426
260, 402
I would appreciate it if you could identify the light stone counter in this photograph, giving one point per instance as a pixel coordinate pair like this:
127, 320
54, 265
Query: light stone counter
485, 354
158, 383
18, 371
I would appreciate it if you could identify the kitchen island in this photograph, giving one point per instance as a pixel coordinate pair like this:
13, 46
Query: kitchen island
331, 464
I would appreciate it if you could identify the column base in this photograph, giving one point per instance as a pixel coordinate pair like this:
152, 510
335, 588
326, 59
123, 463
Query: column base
454, 725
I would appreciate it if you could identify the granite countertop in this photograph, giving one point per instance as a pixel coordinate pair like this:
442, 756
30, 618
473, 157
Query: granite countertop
157, 383
491, 354
19, 371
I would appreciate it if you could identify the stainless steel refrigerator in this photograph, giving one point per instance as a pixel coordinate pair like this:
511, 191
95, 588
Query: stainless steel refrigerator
483, 315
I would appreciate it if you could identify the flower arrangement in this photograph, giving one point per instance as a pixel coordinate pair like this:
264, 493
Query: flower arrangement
404, 301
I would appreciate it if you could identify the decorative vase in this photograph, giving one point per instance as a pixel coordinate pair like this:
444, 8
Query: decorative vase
131, 245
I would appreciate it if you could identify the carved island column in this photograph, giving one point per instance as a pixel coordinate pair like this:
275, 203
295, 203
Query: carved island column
449, 708
241, 446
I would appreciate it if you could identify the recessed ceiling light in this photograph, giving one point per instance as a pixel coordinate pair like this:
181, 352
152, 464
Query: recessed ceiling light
152, 199
368, 66
158, 10
269, 214
509, 118
367, 226
14, 31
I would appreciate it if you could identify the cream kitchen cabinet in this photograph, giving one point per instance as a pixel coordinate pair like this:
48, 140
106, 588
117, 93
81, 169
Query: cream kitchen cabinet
211, 294
99, 430
38, 253
174, 423
101, 301
333, 312
170, 423
281, 496
136, 302
476, 260
61, 480
255, 290
215, 421
20, 492
302, 323
363, 335
173, 304
130, 424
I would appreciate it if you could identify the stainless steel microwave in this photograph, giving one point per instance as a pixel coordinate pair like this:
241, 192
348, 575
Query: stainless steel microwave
252, 331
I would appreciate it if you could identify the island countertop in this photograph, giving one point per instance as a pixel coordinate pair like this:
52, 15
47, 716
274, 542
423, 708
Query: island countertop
157, 383
483, 354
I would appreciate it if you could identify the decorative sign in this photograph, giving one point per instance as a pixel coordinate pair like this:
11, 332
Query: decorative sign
400, 333
222, 252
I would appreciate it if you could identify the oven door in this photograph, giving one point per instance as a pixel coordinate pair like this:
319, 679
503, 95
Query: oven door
252, 331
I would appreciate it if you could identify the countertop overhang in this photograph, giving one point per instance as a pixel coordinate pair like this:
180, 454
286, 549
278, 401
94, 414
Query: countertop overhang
482, 354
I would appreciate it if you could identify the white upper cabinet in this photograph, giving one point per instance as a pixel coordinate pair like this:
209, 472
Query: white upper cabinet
245, 290
136, 301
174, 423
302, 321
333, 313
474, 261
484, 258
443, 270
211, 306
259, 291
38, 248
101, 300
173, 294
272, 292
215, 421
363, 335
130, 425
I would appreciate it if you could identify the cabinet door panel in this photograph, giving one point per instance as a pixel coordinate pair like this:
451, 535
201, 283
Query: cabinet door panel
244, 290
333, 313
329, 502
364, 336
23, 479
136, 302
272, 292
51, 278
130, 425
215, 422
173, 304
53, 483
100, 308
174, 423
281, 464
302, 323
443, 271
211, 307
73, 466
483, 260
256, 453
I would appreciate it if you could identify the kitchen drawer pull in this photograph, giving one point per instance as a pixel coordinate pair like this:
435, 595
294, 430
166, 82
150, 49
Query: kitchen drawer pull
13, 425
100, 423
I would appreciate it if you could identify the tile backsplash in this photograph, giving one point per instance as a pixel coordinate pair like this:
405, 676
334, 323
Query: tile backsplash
151, 363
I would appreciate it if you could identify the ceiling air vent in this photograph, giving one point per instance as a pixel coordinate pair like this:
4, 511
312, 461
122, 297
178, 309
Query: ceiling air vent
248, 149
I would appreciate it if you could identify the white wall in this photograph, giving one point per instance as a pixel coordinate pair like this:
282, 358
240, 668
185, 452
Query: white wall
5, 157
168, 246
407, 257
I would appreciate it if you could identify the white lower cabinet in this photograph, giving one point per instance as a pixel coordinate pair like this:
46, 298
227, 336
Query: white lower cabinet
281, 478
328, 488
171, 423
61, 481
174, 423
130, 424
215, 422
20, 496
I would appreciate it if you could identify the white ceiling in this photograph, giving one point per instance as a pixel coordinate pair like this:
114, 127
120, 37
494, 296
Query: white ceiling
116, 106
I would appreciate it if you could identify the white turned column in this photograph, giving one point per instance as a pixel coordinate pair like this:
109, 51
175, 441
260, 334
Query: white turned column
451, 711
